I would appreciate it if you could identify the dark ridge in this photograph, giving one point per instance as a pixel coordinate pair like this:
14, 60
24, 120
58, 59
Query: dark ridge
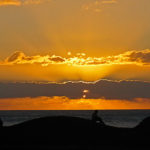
145, 124
70, 131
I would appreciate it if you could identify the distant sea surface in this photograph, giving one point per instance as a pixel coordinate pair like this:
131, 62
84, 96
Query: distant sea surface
118, 118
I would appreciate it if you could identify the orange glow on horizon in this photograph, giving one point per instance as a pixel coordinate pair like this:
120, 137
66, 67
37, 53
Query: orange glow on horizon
63, 103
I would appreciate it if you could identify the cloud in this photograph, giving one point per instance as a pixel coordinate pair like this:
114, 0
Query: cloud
97, 5
10, 2
63, 103
28, 2
130, 57
109, 1
16, 56
130, 65
21, 2
102, 89
138, 56
56, 59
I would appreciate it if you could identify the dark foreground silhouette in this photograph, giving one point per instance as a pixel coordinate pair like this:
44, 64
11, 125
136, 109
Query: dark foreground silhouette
73, 133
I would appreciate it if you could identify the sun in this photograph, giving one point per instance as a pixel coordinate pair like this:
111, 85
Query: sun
85, 91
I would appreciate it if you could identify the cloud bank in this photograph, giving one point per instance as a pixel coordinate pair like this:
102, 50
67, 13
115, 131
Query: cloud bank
130, 65
130, 57
102, 89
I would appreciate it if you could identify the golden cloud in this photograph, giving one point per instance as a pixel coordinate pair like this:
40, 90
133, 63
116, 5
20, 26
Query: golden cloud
109, 1
21, 2
130, 65
10, 2
130, 57
97, 5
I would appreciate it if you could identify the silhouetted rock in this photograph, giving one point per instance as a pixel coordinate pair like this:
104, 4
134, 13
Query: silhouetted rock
1, 123
145, 124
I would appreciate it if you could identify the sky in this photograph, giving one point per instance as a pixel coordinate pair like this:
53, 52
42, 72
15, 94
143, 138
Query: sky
74, 54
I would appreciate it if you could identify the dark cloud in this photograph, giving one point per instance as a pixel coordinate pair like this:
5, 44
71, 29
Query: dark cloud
15, 56
139, 56
57, 59
125, 90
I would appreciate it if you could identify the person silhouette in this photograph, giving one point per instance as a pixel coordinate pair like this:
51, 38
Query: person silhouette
1, 123
97, 119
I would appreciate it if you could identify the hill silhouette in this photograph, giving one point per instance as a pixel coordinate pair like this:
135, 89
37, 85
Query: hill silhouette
73, 131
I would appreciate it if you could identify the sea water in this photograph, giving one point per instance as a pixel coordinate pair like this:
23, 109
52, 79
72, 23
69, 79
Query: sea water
118, 118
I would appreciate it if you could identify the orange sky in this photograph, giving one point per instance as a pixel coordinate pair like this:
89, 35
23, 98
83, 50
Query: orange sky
127, 66
45, 41
95, 27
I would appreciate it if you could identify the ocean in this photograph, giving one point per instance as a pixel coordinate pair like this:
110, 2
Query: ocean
118, 118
